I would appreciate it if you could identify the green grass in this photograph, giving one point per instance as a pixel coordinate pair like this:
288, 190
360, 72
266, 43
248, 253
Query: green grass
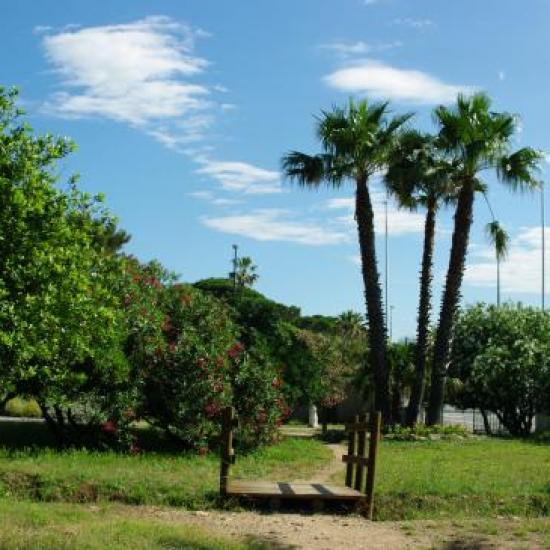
470, 478
33, 525
176, 479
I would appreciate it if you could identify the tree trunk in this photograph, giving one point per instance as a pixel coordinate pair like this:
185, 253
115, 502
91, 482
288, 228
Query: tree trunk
486, 423
424, 307
450, 300
373, 297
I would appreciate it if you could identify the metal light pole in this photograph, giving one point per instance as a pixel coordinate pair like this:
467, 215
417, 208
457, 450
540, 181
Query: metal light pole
235, 257
543, 251
386, 261
391, 322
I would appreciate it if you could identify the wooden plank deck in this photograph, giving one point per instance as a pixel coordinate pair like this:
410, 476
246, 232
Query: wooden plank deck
284, 490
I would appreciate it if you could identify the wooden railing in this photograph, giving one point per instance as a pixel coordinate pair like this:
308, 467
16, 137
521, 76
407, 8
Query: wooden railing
356, 461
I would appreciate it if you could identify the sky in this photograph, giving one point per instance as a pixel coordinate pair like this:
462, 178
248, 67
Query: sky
183, 110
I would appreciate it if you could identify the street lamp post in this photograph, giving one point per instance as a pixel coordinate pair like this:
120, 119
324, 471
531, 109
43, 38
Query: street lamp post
235, 258
543, 251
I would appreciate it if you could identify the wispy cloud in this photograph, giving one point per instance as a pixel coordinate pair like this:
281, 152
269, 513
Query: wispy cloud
380, 80
241, 176
348, 49
277, 225
211, 198
140, 73
520, 272
400, 222
414, 22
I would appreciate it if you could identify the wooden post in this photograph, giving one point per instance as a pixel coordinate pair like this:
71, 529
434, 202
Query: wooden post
361, 453
376, 419
351, 452
226, 448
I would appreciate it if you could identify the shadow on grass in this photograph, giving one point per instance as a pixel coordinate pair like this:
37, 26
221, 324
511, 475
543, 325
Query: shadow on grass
22, 434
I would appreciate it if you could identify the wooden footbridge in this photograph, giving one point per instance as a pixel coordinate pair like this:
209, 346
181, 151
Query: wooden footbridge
360, 470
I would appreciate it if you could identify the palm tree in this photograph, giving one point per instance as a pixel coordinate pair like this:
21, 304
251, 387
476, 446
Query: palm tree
420, 176
475, 139
356, 142
351, 324
245, 272
499, 238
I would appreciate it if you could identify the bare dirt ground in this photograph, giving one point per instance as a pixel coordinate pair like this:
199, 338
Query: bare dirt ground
284, 531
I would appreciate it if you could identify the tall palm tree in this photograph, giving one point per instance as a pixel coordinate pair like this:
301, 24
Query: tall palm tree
499, 239
476, 139
419, 175
356, 142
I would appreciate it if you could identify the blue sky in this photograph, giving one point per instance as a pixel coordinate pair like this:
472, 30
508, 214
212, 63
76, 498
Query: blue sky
182, 110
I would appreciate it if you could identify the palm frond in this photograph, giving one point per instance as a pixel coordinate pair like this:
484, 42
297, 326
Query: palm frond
499, 238
306, 170
518, 169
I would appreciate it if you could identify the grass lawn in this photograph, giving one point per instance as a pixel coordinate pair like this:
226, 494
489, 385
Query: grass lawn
175, 479
54, 526
469, 478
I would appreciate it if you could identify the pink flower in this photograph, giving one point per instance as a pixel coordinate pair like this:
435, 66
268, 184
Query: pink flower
109, 427
211, 409
235, 350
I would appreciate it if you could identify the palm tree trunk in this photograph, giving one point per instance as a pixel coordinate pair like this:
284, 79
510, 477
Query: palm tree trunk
424, 306
450, 300
373, 296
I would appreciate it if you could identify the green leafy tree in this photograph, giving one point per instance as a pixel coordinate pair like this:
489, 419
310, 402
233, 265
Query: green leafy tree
60, 318
501, 360
356, 141
419, 176
476, 139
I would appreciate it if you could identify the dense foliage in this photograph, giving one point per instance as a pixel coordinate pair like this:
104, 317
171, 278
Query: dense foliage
501, 358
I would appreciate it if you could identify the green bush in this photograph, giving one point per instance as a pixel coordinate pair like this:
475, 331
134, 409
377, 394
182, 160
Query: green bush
501, 358
24, 408
421, 431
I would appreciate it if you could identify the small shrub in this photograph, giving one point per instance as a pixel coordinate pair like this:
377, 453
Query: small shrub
24, 408
421, 431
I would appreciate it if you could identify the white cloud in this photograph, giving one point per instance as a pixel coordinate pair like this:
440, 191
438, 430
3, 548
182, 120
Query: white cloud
241, 176
501, 75
520, 272
416, 23
277, 225
400, 222
139, 73
383, 81
347, 49
211, 198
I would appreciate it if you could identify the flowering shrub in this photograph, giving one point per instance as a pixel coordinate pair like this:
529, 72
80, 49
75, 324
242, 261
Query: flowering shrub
258, 398
189, 365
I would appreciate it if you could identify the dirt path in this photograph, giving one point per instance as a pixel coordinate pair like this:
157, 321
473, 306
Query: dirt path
284, 531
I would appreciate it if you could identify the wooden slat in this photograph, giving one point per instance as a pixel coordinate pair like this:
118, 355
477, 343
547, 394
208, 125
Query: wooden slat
267, 489
358, 427
376, 421
351, 451
362, 460
359, 470
227, 453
